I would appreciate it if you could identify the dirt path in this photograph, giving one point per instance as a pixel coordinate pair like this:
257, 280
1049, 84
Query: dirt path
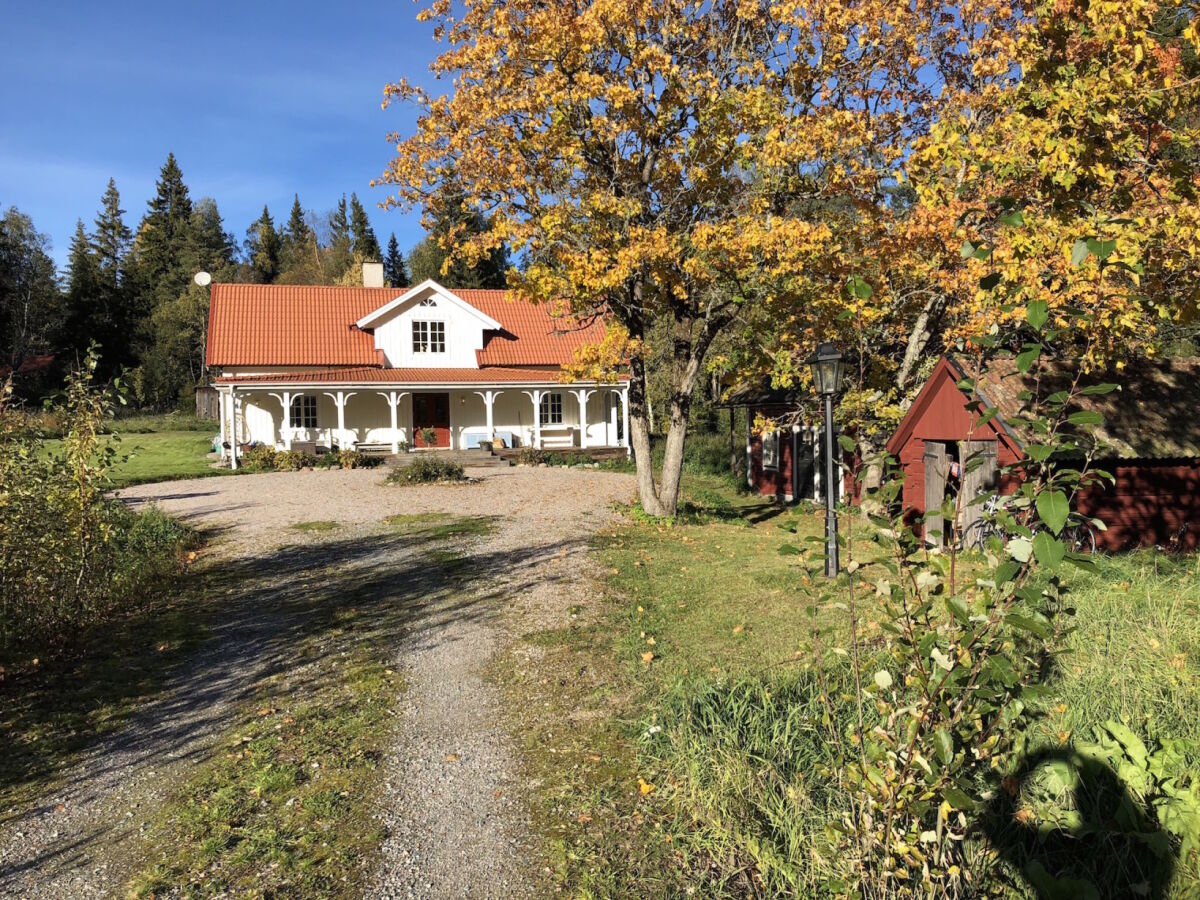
451, 805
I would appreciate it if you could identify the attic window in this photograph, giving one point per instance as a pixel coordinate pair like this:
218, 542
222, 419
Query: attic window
429, 337
428, 301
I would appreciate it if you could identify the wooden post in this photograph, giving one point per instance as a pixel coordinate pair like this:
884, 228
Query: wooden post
233, 429
935, 492
221, 416
536, 397
625, 421
978, 478
582, 395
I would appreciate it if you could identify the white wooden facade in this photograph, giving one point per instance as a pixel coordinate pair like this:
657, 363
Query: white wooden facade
428, 340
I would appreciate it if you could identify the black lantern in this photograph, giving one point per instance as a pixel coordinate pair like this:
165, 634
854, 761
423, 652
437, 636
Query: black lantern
827, 369
826, 366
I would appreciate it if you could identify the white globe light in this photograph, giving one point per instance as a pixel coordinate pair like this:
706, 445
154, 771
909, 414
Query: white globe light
203, 279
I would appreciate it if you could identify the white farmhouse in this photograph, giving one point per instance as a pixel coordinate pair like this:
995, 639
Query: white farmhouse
374, 368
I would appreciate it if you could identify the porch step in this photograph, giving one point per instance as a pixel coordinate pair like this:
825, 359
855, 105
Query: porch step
474, 458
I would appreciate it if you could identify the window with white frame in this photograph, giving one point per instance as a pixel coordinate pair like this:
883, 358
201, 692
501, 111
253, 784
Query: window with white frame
770, 445
429, 337
304, 412
428, 301
552, 409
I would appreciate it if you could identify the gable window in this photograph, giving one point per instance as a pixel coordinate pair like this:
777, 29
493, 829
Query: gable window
303, 412
428, 301
770, 445
429, 337
551, 409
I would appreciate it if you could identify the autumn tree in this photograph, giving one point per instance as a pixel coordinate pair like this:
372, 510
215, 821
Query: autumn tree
663, 161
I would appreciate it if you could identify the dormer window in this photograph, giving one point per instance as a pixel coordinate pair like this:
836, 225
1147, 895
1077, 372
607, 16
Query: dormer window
429, 337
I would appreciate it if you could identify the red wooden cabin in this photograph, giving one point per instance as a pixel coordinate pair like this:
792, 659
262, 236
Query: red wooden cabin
1151, 429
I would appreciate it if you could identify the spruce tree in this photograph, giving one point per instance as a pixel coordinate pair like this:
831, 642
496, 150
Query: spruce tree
112, 237
394, 271
162, 240
85, 315
263, 247
211, 248
450, 214
364, 244
339, 257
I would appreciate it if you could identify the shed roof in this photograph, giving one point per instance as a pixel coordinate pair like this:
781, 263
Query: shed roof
1153, 414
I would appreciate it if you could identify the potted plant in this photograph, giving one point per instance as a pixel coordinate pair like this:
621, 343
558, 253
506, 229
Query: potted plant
429, 437
486, 445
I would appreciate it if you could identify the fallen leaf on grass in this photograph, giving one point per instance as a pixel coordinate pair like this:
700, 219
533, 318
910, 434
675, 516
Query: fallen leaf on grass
648, 657
738, 629
583, 818
645, 787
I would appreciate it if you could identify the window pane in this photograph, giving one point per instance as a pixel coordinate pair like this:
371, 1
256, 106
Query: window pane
303, 413
437, 337
551, 409
420, 337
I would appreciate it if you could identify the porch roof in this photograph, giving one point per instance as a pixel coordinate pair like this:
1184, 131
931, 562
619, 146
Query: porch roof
487, 375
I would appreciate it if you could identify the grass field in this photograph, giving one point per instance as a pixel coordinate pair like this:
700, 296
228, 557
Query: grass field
146, 456
669, 733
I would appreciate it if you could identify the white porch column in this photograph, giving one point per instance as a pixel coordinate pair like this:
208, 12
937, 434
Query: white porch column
233, 429
625, 420
489, 399
582, 395
285, 424
221, 416
339, 399
536, 397
393, 399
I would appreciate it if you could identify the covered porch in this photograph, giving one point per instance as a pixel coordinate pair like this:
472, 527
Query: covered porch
288, 414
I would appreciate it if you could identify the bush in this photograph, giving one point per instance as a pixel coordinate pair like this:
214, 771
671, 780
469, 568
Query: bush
259, 458
293, 460
531, 456
427, 469
70, 557
352, 459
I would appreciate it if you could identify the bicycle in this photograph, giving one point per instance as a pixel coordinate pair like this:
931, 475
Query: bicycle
1079, 537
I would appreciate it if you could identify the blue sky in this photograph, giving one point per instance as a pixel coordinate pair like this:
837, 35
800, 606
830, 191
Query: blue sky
256, 100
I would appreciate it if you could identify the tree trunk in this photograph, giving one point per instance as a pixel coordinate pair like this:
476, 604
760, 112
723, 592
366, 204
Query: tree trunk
639, 439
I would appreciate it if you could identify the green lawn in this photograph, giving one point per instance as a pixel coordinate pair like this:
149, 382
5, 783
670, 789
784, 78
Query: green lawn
158, 456
668, 734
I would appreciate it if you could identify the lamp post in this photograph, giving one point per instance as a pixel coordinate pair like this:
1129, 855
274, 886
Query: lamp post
826, 366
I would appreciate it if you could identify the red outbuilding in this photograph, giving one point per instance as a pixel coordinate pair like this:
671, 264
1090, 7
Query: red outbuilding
1151, 435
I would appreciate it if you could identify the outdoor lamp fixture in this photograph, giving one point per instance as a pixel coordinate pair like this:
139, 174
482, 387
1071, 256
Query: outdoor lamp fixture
827, 370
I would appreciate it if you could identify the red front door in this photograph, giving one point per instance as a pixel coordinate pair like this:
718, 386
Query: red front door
431, 411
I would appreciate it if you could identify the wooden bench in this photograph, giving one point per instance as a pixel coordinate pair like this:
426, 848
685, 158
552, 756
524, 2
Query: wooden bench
558, 436
374, 449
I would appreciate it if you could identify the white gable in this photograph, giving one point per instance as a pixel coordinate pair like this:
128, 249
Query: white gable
428, 327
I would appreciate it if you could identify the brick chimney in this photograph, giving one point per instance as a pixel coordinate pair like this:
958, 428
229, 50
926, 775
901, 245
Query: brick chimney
372, 274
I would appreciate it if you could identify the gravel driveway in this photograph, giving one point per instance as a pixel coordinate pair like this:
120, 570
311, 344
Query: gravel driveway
452, 805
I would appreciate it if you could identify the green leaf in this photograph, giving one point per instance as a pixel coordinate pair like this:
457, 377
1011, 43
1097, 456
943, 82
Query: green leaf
967, 250
847, 443
1014, 219
1037, 313
1053, 508
859, 288
1093, 390
1033, 626
989, 282
958, 799
1020, 549
1086, 417
943, 743
1101, 249
789, 550
1049, 550
1026, 359
1079, 253
1039, 452
958, 609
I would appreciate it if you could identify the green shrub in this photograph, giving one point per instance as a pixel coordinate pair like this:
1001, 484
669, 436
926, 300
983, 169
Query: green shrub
352, 459
531, 456
427, 469
69, 556
293, 460
330, 460
259, 458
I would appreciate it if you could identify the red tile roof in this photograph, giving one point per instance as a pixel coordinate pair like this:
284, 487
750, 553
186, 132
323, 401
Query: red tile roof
299, 325
374, 375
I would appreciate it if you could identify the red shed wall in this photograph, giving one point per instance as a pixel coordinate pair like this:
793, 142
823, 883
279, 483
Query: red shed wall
941, 414
776, 484
1151, 502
